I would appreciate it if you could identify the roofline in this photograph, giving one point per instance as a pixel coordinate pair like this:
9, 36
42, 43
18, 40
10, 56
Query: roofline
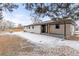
67, 21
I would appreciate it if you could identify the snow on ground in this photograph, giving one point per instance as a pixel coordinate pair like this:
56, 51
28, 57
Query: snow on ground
47, 40
40, 39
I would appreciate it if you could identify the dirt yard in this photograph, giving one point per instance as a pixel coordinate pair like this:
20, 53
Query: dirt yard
14, 46
74, 37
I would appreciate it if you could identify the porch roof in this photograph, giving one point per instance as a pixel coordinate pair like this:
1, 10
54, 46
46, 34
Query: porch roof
66, 21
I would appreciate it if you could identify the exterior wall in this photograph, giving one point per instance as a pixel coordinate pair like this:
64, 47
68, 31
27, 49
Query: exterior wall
52, 29
56, 31
69, 29
36, 29
72, 30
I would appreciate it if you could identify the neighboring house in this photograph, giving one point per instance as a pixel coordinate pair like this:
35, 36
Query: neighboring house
62, 27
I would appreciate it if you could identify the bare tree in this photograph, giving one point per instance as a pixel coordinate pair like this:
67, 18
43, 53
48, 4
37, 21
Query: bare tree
55, 10
4, 24
7, 7
35, 19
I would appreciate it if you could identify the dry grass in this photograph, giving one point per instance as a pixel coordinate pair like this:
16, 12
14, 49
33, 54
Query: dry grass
11, 44
14, 45
57, 51
74, 37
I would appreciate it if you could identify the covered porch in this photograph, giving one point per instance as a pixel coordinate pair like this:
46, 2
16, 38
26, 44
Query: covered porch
46, 30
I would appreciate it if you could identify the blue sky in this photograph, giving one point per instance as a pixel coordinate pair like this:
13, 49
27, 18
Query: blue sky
19, 16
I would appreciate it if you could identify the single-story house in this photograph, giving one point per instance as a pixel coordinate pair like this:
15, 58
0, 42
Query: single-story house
64, 27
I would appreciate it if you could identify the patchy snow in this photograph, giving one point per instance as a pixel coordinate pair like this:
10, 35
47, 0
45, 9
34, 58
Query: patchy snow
37, 38
4, 33
73, 44
76, 32
46, 40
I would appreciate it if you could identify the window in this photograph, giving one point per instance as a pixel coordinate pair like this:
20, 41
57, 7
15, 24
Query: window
29, 27
57, 26
32, 27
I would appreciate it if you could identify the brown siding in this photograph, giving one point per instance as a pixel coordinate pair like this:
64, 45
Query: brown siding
57, 31
52, 29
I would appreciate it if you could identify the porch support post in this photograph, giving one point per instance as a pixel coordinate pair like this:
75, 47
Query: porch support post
48, 28
65, 30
